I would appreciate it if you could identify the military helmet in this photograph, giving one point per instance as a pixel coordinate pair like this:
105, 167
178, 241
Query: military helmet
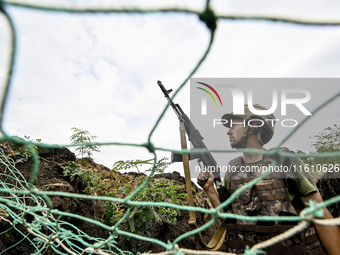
267, 122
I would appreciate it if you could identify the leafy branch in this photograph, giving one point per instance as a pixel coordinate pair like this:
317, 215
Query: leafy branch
84, 139
160, 165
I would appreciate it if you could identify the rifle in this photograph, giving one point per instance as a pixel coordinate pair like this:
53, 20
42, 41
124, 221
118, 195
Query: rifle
196, 140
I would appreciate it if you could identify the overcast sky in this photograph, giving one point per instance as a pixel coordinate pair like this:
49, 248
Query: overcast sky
99, 72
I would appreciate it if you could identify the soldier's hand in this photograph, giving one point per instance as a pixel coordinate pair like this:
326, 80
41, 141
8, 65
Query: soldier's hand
208, 178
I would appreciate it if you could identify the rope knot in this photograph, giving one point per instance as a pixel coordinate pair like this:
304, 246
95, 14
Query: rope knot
149, 145
209, 18
316, 213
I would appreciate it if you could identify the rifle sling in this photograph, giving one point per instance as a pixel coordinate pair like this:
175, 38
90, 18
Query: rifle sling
218, 238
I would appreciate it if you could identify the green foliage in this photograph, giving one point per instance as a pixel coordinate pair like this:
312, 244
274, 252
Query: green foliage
72, 170
327, 140
84, 139
22, 153
142, 218
95, 183
85, 162
92, 181
160, 165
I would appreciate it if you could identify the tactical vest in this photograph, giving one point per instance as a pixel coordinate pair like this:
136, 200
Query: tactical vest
267, 198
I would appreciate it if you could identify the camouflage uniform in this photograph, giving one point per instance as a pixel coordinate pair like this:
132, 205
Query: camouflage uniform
268, 197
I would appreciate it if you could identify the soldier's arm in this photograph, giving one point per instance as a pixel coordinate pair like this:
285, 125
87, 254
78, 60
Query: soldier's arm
329, 235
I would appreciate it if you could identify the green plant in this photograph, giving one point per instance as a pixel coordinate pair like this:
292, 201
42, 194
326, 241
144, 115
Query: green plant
160, 165
22, 153
142, 218
328, 140
84, 139
113, 212
72, 170
93, 182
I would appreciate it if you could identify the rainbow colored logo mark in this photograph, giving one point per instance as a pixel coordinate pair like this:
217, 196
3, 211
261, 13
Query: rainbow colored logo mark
209, 93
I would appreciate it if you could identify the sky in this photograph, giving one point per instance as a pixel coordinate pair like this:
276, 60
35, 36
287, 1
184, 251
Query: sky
99, 72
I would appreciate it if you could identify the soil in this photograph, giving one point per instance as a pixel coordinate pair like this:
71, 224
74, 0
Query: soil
52, 178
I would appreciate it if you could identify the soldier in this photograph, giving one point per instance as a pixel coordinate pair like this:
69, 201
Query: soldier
281, 194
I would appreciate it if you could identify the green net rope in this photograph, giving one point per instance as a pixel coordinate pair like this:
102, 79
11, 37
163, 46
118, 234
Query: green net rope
20, 199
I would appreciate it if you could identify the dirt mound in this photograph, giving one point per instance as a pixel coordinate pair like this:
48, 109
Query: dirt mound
53, 176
